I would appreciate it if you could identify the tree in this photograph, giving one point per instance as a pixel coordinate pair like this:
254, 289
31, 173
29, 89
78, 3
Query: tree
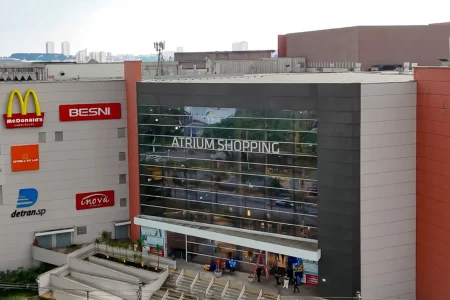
140, 243
97, 242
105, 237
158, 249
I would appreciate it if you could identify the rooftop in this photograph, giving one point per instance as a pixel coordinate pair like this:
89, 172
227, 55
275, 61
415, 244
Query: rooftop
382, 77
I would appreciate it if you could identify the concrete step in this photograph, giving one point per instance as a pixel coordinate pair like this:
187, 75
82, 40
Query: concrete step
101, 289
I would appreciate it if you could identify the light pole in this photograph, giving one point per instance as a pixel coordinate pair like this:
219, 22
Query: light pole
159, 47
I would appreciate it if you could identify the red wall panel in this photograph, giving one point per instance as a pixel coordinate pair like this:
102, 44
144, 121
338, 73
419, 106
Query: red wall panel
282, 46
433, 183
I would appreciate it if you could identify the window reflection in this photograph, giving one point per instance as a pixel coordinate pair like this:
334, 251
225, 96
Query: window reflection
271, 191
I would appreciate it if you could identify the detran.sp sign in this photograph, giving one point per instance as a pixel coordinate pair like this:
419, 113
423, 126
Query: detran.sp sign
23, 119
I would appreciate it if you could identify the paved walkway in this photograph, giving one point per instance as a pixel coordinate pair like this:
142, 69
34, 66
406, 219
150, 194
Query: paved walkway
238, 279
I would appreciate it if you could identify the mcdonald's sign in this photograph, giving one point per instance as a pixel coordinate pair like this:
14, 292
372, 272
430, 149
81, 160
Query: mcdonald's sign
24, 118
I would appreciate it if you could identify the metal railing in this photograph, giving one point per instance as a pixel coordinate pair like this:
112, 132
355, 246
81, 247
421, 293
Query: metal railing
211, 283
241, 295
166, 295
179, 278
181, 297
225, 289
260, 295
194, 281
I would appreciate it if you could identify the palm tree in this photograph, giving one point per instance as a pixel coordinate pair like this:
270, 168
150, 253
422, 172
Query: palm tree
125, 245
105, 237
140, 243
112, 244
158, 248
97, 242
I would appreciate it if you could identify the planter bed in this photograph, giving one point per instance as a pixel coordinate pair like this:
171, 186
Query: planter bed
128, 263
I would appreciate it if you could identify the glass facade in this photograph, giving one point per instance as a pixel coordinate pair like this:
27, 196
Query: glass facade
254, 169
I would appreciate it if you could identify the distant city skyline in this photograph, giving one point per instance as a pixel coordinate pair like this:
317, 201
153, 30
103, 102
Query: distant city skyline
94, 24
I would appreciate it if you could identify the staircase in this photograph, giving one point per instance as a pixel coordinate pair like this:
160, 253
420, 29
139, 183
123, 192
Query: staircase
186, 287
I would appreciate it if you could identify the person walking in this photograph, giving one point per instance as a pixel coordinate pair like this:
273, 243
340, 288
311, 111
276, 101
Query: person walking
286, 282
296, 286
258, 273
277, 278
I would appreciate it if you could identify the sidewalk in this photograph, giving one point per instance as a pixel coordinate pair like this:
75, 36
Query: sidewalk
239, 279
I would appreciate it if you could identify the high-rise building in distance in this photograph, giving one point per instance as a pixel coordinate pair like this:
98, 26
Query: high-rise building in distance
81, 56
65, 48
240, 46
179, 49
98, 56
50, 47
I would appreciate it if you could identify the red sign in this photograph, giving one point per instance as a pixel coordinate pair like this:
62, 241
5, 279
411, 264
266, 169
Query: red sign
312, 279
94, 200
154, 251
90, 112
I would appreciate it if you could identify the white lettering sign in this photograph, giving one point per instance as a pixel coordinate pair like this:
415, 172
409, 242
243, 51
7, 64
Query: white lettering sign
95, 199
89, 112
226, 145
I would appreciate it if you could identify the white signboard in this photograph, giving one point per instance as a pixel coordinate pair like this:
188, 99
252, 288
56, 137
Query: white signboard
152, 236
226, 145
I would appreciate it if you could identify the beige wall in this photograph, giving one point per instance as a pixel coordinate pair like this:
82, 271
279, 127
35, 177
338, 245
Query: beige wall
87, 160
388, 187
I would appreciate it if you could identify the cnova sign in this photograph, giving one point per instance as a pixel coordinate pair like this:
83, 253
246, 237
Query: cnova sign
264, 147
94, 200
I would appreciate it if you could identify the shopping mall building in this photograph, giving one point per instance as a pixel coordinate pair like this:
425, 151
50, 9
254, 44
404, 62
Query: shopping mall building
63, 165
347, 172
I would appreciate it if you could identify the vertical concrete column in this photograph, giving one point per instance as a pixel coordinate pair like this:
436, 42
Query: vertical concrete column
133, 74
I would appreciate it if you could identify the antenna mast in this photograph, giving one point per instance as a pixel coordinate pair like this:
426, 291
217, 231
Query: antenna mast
160, 47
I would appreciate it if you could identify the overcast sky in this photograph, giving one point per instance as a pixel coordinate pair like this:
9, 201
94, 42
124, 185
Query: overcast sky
131, 26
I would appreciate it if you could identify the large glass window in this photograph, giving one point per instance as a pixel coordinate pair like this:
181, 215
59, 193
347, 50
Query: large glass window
253, 169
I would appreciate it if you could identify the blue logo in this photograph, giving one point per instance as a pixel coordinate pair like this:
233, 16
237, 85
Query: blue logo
27, 197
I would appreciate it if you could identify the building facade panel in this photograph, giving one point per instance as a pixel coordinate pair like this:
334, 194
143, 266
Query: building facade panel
339, 215
433, 146
422, 44
382, 181
324, 45
74, 157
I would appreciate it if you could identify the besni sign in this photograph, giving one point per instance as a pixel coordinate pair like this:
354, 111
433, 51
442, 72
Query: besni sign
94, 200
27, 198
24, 119
90, 112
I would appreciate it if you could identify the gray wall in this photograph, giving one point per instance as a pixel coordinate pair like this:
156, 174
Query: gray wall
339, 189
388, 190
338, 149
87, 160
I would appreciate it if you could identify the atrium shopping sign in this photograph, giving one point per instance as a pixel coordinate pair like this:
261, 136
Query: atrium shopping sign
226, 145
23, 119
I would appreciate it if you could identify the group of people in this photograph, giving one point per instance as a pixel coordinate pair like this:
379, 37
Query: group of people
288, 279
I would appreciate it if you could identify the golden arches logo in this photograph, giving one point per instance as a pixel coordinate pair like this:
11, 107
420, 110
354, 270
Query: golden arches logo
23, 102
23, 119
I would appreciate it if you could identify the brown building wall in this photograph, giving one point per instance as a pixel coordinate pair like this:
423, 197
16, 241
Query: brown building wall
189, 59
433, 184
332, 45
282, 50
372, 45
